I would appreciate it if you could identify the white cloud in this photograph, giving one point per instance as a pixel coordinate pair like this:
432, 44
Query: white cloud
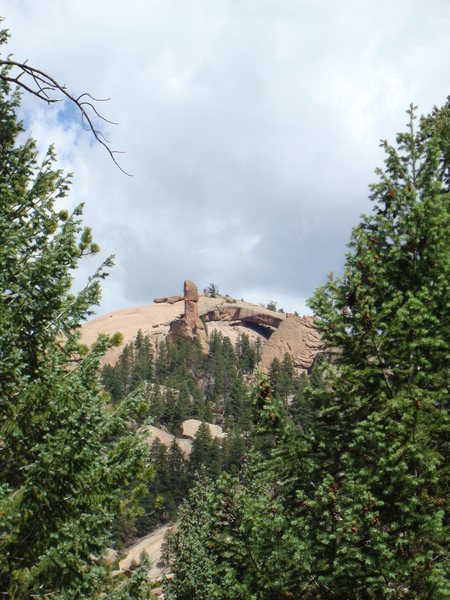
251, 129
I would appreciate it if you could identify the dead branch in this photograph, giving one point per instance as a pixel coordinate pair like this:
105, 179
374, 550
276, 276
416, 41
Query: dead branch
46, 88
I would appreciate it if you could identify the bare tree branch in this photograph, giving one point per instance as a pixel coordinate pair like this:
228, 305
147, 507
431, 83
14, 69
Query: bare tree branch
46, 88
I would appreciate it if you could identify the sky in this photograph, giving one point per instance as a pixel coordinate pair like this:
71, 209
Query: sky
251, 129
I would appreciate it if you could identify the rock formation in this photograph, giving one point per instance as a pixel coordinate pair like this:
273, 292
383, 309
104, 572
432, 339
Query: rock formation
248, 315
192, 321
298, 336
168, 299
111, 556
190, 325
151, 433
190, 427
278, 333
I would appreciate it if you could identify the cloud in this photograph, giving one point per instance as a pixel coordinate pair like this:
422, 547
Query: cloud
251, 130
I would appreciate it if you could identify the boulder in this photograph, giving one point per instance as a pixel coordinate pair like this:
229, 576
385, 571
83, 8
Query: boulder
168, 299
190, 291
151, 433
190, 427
297, 336
111, 556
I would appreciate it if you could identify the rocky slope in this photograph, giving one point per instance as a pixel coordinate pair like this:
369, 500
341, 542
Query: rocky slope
189, 430
296, 336
151, 545
194, 315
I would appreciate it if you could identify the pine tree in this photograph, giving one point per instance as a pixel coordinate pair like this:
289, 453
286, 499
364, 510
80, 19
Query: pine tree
352, 505
198, 405
162, 363
65, 461
112, 383
233, 452
132, 368
178, 479
211, 290
182, 408
205, 453
209, 413
142, 369
286, 383
383, 412
234, 529
194, 563
234, 406
156, 403
299, 409
258, 350
246, 355
275, 375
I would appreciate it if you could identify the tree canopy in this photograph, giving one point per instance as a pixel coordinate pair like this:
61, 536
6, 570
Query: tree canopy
349, 499
69, 466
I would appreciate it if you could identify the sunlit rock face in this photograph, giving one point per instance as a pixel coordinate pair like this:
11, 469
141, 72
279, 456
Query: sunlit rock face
196, 316
296, 336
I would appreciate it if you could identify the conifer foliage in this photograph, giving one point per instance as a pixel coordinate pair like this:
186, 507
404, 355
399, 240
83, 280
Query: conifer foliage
348, 500
384, 412
68, 467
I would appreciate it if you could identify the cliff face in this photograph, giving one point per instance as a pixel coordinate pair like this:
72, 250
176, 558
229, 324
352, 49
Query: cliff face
296, 336
194, 315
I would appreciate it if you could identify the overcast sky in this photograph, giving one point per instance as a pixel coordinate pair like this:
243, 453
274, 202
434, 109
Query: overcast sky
251, 128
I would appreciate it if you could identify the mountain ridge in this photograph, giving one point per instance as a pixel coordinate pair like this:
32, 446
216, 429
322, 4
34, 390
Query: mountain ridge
278, 332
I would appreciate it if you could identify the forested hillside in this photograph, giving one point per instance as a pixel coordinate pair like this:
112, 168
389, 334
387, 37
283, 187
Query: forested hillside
178, 381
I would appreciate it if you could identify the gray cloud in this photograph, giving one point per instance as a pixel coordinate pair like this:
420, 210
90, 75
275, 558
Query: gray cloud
251, 129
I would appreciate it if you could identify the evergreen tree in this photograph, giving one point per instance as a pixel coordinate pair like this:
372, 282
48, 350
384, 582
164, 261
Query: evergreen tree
158, 458
258, 350
209, 413
117, 379
112, 383
234, 406
300, 410
286, 384
182, 408
205, 453
162, 363
198, 405
383, 411
133, 367
275, 375
170, 406
233, 452
194, 563
235, 528
353, 505
178, 477
65, 461
246, 355
316, 378
142, 369
156, 403
211, 290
